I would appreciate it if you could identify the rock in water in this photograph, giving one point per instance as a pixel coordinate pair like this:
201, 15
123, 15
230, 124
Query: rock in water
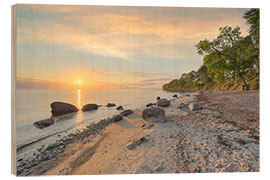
126, 112
154, 114
149, 104
195, 106
89, 107
175, 96
158, 98
110, 105
44, 123
120, 108
163, 103
61, 108
117, 118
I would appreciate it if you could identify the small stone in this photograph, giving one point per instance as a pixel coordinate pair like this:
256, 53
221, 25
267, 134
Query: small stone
150, 126
120, 108
182, 105
117, 118
110, 105
131, 146
195, 106
163, 103
185, 113
149, 104
126, 112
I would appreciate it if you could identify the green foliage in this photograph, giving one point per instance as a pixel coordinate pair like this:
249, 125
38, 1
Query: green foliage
253, 19
225, 56
229, 60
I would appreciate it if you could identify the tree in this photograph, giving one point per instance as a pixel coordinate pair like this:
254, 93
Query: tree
204, 75
252, 18
225, 55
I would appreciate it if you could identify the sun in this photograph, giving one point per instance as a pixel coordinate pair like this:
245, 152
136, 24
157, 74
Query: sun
79, 81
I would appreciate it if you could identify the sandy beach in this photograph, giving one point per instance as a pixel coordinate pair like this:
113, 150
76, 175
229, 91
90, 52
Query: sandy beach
221, 137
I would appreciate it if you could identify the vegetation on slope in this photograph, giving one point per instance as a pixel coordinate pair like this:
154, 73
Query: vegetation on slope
230, 61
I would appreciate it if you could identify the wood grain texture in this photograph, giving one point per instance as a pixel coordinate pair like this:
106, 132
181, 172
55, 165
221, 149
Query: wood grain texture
13, 88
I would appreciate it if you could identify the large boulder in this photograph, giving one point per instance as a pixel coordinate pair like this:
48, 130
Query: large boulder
163, 103
89, 107
110, 105
126, 112
195, 106
61, 108
154, 114
44, 123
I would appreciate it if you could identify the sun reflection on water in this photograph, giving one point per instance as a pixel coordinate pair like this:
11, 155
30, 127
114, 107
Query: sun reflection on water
79, 113
79, 98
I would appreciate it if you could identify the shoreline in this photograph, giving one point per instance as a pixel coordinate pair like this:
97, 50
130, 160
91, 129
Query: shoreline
176, 146
52, 151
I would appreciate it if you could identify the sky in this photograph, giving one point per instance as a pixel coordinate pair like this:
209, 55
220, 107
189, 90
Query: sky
112, 47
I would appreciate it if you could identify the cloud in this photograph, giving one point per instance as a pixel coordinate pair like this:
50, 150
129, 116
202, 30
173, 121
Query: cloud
135, 47
121, 31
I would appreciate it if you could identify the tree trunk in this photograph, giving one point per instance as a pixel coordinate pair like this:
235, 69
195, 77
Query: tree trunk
245, 85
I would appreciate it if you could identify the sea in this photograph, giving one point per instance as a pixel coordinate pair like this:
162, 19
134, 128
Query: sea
34, 105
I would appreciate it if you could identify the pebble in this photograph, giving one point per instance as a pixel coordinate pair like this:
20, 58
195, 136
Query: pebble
131, 146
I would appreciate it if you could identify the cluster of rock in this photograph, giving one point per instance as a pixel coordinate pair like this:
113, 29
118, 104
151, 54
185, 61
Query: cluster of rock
62, 108
156, 114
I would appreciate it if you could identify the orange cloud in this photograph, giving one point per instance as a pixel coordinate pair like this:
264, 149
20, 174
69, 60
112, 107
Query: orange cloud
121, 31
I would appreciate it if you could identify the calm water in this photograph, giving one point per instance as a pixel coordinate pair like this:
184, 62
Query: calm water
34, 105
